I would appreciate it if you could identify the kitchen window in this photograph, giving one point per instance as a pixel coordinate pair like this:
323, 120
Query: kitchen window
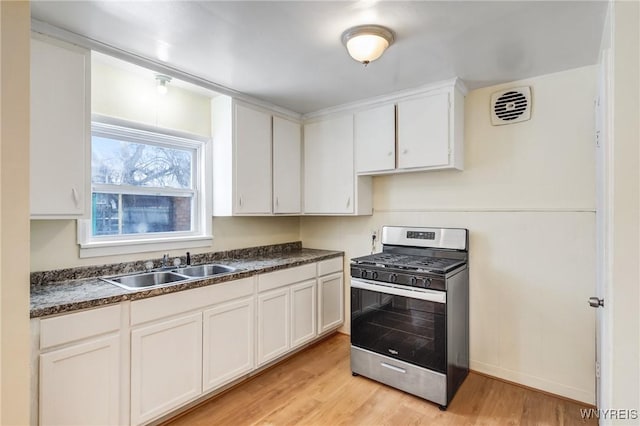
146, 191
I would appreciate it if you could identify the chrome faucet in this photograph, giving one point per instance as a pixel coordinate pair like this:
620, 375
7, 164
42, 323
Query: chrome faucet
165, 260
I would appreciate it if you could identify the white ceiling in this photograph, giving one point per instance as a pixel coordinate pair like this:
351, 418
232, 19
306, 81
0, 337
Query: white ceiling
289, 53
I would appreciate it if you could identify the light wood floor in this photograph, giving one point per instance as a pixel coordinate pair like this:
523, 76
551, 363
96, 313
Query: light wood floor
315, 387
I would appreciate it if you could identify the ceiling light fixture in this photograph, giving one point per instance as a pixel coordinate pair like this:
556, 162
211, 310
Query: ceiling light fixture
367, 43
162, 83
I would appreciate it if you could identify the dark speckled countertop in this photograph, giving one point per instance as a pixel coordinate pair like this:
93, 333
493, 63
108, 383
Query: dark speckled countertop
55, 292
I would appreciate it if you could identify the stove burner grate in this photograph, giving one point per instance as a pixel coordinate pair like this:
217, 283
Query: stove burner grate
414, 263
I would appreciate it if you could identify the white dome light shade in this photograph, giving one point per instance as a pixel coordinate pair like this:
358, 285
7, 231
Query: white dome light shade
367, 43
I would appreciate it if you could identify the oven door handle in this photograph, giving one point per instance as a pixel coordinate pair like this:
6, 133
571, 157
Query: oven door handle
412, 292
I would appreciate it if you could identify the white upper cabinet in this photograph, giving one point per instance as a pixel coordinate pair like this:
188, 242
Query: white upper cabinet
252, 160
422, 131
287, 161
375, 136
60, 129
330, 184
247, 179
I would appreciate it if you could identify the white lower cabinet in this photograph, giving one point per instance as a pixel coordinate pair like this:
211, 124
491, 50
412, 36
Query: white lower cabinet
228, 342
330, 290
286, 311
166, 366
80, 378
330, 295
138, 361
79, 385
273, 324
303, 313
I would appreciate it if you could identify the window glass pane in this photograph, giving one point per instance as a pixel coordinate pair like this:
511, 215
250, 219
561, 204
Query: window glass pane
140, 214
151, 213
117, 162
105, 214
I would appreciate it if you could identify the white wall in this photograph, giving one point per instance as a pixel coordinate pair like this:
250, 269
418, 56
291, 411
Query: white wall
527, 196
623, 239
14, 212
119, 92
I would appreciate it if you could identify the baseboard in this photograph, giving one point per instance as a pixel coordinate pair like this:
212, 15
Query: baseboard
535, 383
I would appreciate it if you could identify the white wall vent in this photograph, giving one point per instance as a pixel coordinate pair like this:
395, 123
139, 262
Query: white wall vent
511, 106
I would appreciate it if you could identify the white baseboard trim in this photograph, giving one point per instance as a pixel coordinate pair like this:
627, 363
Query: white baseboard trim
581, 395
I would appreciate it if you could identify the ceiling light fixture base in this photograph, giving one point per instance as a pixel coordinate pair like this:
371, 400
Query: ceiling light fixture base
162, 80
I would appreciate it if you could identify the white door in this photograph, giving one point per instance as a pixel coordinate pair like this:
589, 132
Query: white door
166, 366
331, 302
252, 130
59, 129
303, 313
603, 342
375, 139
423, 131
328, 166
287, 159
273, 324
227, 342
80, 385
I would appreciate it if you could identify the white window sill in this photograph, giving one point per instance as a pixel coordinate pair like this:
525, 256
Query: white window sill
112, 248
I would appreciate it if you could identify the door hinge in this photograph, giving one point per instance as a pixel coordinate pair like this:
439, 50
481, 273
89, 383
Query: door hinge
597, 369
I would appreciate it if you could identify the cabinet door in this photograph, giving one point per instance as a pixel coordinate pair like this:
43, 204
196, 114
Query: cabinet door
423, 131
303, 313
375, 139
328, 166
166, 366
286, 166
60, 82
252, 159
80, 384
273, 324
331, 302
227, 342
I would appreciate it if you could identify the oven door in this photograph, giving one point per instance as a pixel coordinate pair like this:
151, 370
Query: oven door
408, 324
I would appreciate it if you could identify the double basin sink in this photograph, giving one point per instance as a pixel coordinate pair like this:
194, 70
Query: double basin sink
154, 279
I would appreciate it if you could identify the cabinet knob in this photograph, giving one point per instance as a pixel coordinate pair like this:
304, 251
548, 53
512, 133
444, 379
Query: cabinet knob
390, 153
240, 201
405, 151
348, 201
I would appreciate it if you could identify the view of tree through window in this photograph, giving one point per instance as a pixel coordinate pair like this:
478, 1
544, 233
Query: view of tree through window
140, 188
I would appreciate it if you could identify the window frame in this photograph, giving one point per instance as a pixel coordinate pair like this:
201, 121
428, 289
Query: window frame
199, 236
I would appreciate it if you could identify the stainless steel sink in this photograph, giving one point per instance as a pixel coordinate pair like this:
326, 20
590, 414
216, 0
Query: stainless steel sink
202, 271
147, 280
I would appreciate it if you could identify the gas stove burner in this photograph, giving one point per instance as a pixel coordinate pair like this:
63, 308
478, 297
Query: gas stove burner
409, 262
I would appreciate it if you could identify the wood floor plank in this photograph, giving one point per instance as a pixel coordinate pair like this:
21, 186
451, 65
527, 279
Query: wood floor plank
316, 388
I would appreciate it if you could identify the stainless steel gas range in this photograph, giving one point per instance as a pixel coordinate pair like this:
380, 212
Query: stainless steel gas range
410, 312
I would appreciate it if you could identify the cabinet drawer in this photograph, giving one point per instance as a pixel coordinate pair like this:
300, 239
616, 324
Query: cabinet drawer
77, 326
330, 266
410, 378
284, 277
176, 303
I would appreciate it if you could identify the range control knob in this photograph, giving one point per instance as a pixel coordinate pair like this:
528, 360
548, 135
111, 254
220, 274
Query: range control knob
414, 281
363, 274
426, 282
374, 275
393, 278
